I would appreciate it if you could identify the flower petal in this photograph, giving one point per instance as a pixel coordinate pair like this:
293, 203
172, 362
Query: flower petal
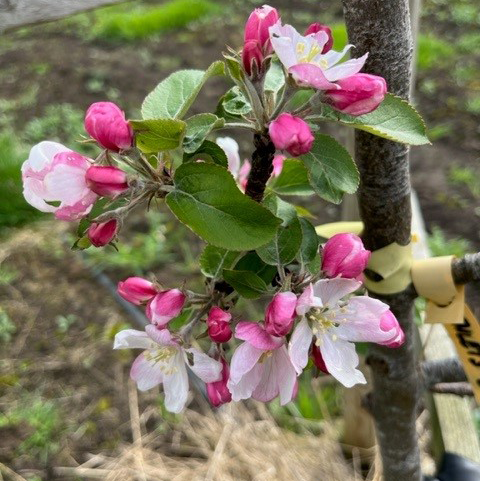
341, 360
244, 388
361, 321
310, 75
146, 374
331, 291
346, 69
307, 300
175, 386
243, 360
206, 368
257, 336
132, 339
299, 345
287, 377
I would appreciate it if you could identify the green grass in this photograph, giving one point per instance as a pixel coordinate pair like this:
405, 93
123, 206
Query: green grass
44, 419
441, 246
465, 176
138, 23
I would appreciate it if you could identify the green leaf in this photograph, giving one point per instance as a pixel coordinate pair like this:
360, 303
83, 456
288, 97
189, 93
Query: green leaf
198, 128
394, 119
158, 134
235, 103
233, 68
207, 199
246, 283
275, 78
293, 179
173, 96
309, 247
251, 262
214, 259
284, 246
209, 152
331, 169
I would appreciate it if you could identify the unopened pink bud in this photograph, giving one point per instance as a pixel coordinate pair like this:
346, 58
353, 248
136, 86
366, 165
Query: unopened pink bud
165, 306
217, 391
280, 314
318, 359
277, 162
252, 58
106, 123
256, 28
218, 324
137, 290
318, 27
358, 94
102, 234
106, 181
291, 134
344, 255
388, 322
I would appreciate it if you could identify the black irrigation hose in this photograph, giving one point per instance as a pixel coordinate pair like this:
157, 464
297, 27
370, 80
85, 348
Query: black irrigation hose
133, 312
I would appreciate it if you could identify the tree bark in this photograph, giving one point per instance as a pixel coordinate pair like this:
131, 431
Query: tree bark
383, 29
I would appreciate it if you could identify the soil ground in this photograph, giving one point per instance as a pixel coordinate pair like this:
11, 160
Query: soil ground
64, 322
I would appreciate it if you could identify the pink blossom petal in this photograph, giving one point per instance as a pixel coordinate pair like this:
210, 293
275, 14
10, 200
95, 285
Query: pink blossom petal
341, 359
346, 69
299, 345
146, 374
244, 388
307, 300
230, 147
132, 339
257, 336
175, 386
268, 386
330, 291
206, 368
310, 75
287, 377
360, 321
243, 360
163, 337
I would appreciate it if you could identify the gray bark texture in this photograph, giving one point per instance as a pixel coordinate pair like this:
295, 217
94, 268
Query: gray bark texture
382, 28
17, 13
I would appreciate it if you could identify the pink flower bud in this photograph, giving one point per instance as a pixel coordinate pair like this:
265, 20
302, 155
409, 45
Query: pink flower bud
165, 306
291, 134
280, 314
345, 256
106, 123
358, 94
389, 322
252, 58
256, 28
218, 324
102, 234
217, 391
136, 290
318, 359
277, 162
106, 181
318, 27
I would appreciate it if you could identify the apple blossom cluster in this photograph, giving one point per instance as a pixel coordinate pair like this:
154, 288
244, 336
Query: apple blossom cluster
259, 244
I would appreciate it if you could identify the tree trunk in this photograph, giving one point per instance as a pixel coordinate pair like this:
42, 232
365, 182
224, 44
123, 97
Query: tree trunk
382, 28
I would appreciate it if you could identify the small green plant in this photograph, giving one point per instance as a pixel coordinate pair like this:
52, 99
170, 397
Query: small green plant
43, 416
64, 322
7, 327
466, 176
441, 246
142, 22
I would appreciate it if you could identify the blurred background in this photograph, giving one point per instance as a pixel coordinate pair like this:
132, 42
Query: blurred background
67, 410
